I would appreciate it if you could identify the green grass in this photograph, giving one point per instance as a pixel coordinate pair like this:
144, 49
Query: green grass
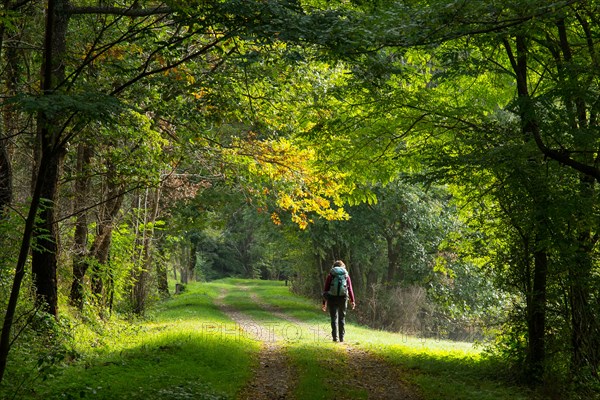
321, 368
441, 369
189, 349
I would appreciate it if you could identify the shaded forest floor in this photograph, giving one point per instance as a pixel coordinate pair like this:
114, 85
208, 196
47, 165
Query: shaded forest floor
244, 339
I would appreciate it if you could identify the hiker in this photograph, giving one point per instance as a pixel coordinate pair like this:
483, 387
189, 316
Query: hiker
337, 291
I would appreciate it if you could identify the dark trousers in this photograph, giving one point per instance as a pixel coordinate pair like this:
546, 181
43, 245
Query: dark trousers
337, 311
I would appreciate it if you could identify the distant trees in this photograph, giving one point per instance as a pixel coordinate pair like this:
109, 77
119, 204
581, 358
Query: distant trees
405, 267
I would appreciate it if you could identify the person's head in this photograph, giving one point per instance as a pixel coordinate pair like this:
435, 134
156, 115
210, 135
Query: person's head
339, 263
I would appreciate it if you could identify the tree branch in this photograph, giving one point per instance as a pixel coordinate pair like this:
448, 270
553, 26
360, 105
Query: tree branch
126, 12
147, 73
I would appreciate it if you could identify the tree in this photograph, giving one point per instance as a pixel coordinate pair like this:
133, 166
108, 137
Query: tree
66, 105
545, 51
418, 59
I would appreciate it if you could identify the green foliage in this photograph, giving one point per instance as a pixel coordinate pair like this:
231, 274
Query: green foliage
44, 347
91, 106
402, 243
10, 226
122, 261
306, 111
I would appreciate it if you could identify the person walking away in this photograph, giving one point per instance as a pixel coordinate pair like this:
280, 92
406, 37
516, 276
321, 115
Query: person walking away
337, 292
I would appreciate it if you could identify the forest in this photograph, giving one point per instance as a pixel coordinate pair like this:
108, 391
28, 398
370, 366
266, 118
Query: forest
447, 150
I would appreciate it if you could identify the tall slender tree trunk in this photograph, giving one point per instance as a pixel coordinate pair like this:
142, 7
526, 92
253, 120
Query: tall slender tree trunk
162, 275
358, 277
82, 192
45, 252
5, 178
185, 254
393, 255
10, 115
5, 165
107, 217
372, 280
536, 298
585, 332
141, 275
192, 262
5, 337
537, 316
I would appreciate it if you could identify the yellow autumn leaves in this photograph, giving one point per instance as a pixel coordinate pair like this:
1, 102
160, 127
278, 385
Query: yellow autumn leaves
292, 177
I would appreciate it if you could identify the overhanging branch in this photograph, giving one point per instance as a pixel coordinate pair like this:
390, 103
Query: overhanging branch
126, 12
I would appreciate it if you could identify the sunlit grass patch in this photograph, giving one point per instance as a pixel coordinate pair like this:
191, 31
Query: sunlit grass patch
188, 349
194, 364
276, 294
322, 372
440, 368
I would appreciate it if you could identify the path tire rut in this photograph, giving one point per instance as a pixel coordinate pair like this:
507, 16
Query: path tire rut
274, 376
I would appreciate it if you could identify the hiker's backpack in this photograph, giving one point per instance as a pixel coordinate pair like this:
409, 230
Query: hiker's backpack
339, 282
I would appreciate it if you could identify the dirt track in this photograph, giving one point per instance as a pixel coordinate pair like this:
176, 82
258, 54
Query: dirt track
275, 376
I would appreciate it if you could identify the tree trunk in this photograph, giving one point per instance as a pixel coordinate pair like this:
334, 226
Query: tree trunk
141, 276
372, 280
162, 276
100, 251
101, 246
5, 164
107, 217
537, 317
5, 178
536, 299
584, 323
393, 255
185, 253
357, 275
10, 116
82, 192
5, 337
192, 261
44, 257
